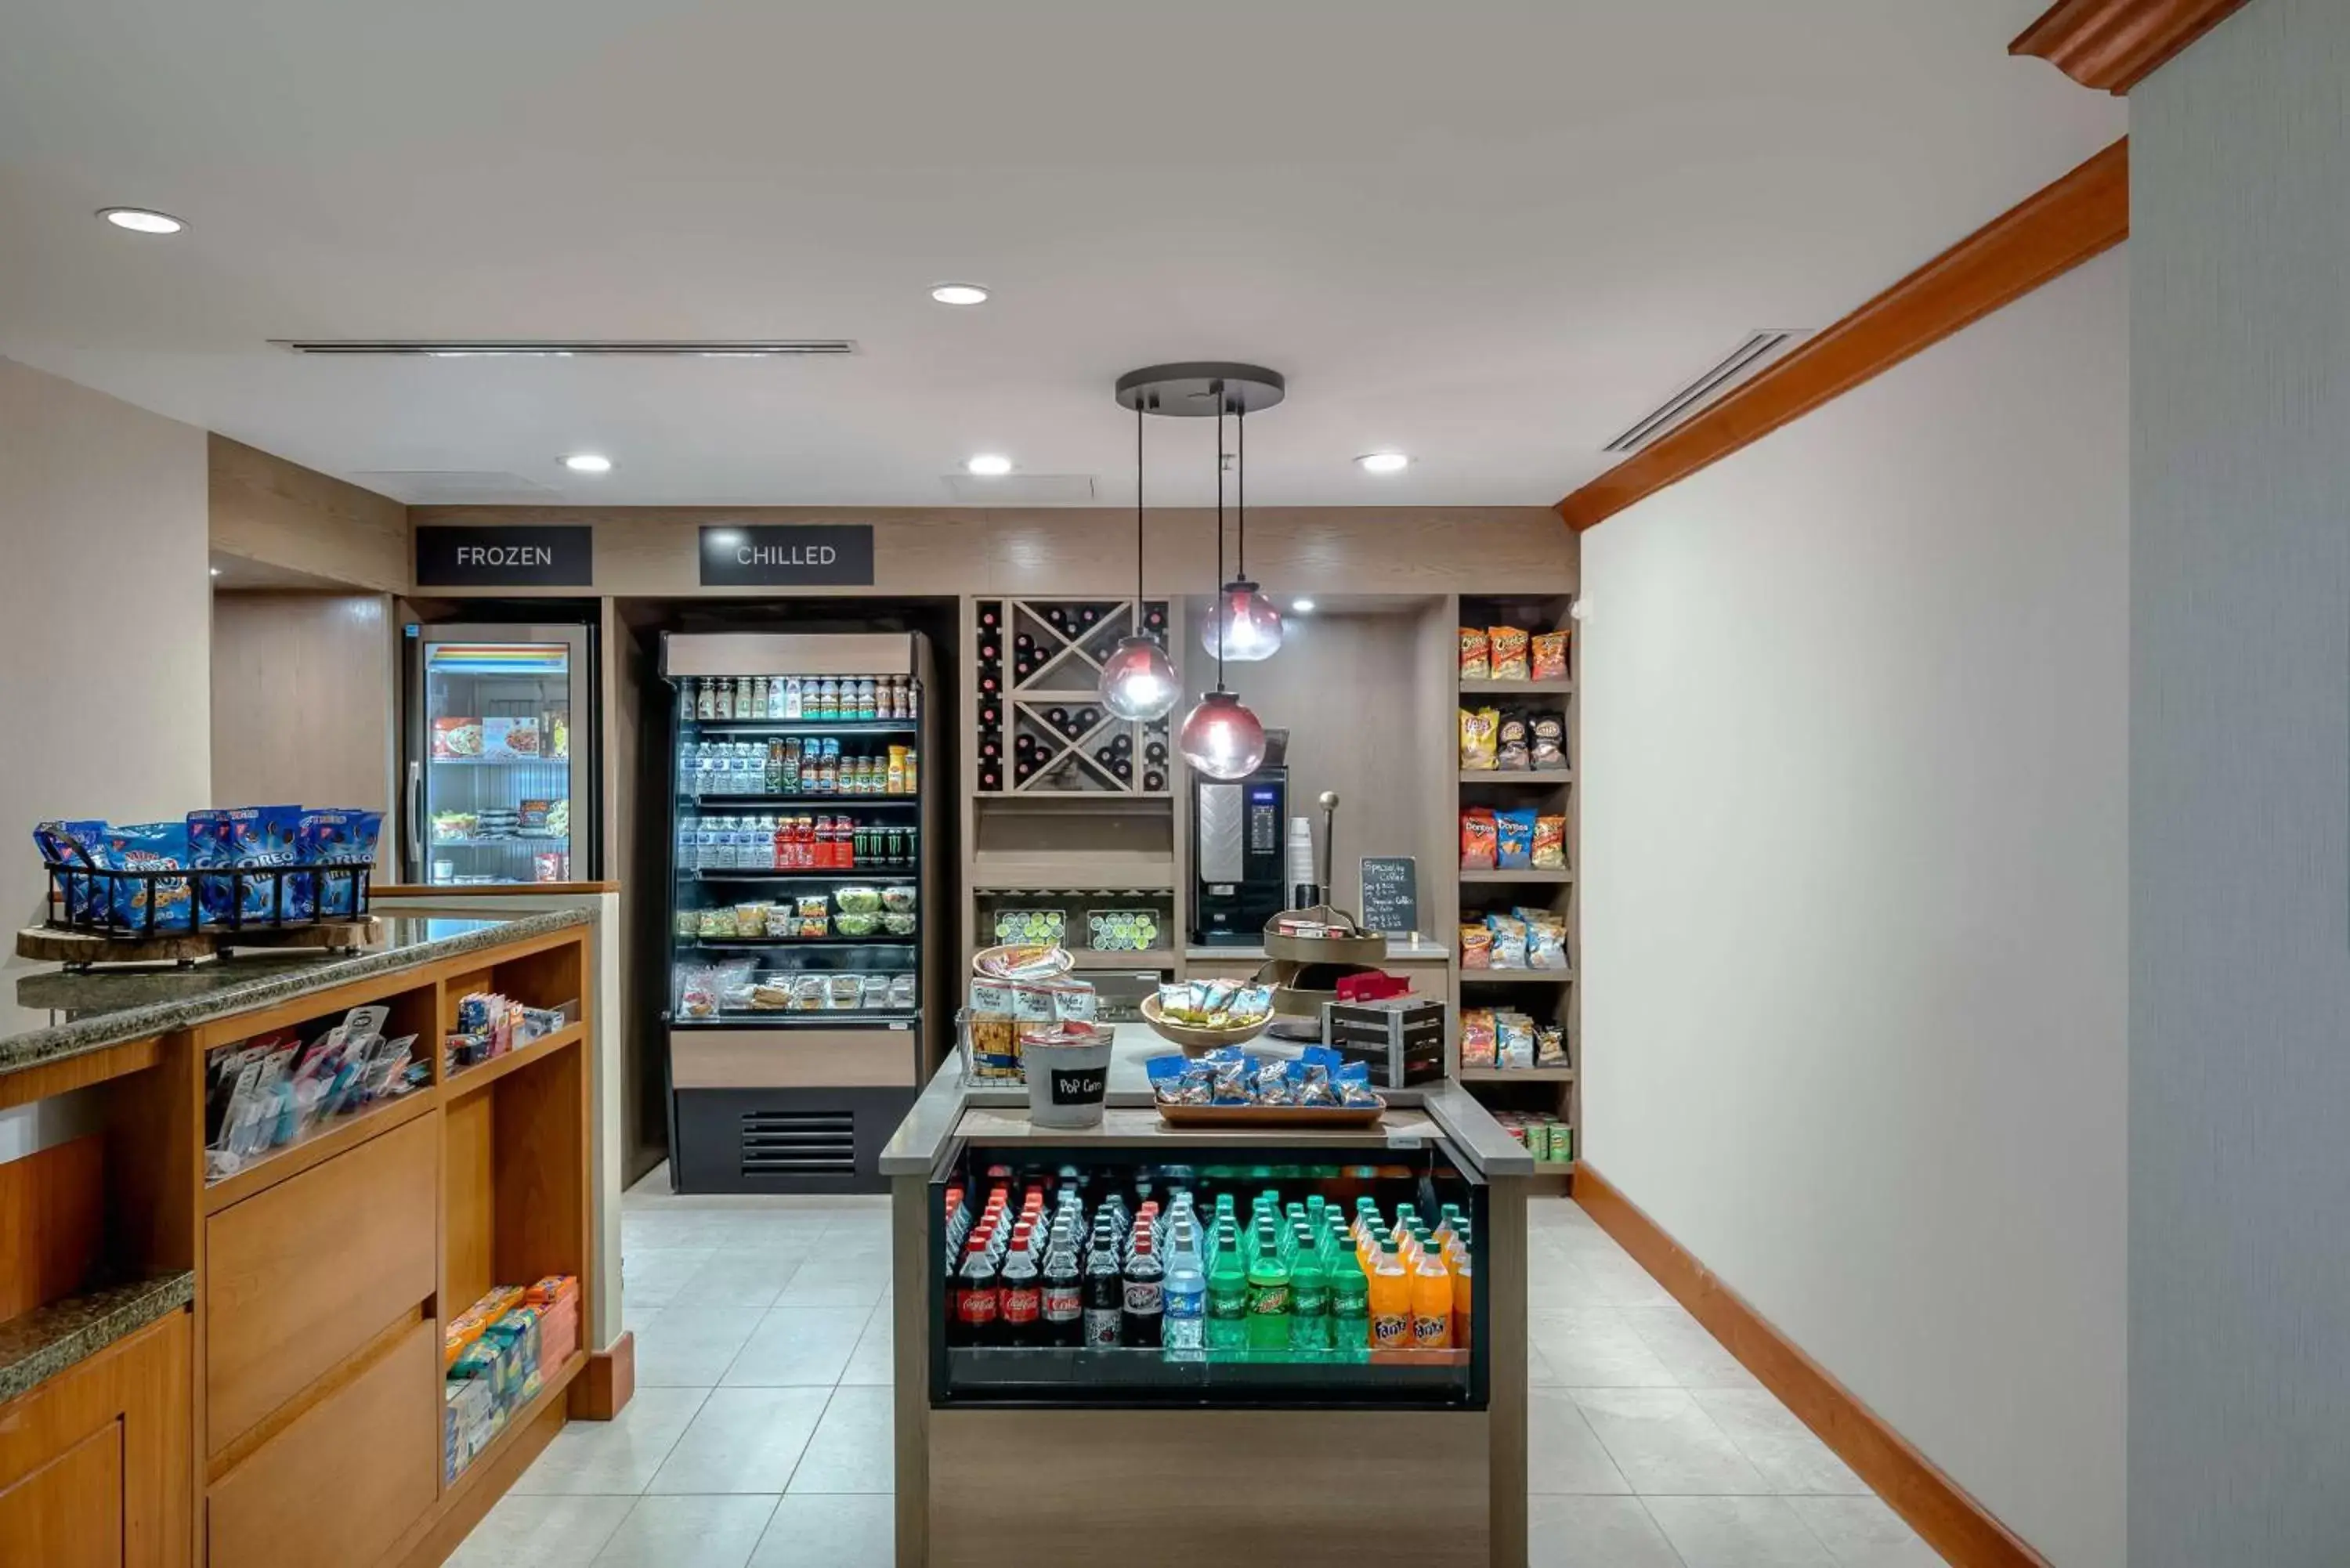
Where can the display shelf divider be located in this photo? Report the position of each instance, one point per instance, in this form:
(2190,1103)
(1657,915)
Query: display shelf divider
(321,1144)
(481,1074)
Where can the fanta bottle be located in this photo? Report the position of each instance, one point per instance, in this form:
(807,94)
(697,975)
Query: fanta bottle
(1391,1300)
(1432,1302)
(1463,1297)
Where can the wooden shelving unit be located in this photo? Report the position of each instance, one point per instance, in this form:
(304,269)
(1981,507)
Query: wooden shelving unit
(1549,996)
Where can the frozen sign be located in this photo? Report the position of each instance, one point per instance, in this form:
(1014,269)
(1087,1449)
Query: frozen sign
(449,555)
(815,554)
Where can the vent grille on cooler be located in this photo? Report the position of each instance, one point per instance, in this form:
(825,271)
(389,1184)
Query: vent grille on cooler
(799,1143)
(1760,351)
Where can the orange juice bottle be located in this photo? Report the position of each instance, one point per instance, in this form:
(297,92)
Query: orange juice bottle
(1432,1302)
(1391,1300)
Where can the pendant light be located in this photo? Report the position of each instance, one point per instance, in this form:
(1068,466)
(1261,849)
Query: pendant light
(1220,738)
(1138,679)
(1246,626)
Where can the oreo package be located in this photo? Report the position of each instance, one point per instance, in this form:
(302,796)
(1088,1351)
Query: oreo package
(151,847)
(76,843)
(338,836)
(243,835)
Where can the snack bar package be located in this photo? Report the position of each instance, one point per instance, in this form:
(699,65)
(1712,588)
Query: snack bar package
(1509,652)
(1516,848)
(1550,656)
(1474,661)
(151,846)
(242,835)
(1479,833)
(1479,727)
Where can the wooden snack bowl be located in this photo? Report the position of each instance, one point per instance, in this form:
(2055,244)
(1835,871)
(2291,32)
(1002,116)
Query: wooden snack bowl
(1196,1041)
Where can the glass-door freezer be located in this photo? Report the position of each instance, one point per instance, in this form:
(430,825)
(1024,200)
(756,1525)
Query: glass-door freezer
(500,765)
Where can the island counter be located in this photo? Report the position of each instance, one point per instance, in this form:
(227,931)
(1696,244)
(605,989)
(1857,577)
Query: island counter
(1230,1454)
(230,1325)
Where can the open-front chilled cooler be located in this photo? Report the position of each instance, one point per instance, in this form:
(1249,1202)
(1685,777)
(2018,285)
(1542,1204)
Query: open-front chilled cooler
(501,754)
(1248,1277)
(800,904)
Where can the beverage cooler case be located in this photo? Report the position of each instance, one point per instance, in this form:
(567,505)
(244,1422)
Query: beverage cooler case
(1092,1277)
(501,754)
(800,905)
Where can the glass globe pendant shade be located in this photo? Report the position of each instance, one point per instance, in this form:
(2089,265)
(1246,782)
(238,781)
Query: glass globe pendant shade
(1245,624)
(1221,738)
(1138,681)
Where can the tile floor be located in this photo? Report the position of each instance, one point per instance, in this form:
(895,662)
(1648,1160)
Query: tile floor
(759,1436)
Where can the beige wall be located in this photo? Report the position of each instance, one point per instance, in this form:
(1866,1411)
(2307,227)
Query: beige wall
(303,696)
(104,617)
(282,514)
(1855,708)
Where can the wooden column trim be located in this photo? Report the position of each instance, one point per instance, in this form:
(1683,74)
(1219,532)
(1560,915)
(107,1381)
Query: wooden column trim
(1965,1532)
(2117,44)
(2078,218)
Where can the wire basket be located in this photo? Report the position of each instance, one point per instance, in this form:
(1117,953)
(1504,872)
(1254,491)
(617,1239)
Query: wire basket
(140,906)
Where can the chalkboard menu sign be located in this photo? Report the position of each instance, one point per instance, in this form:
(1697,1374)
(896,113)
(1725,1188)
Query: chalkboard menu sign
(1390,894)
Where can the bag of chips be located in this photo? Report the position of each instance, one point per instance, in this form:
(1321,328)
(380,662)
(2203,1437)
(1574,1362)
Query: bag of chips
(1512,754)
(1514,1035)
(1550,843)
(1353,1080)
(1477,1044)
(1476,946)
(1509,652)
(1474,665)
(1273,1082)
(1479,839)
(1549,733)
(1546,939)
(1478,727)
(1516,838)
(1550,656)
(1550,1045)
(1509,941)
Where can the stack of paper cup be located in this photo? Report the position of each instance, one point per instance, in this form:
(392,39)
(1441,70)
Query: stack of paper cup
(1304,892)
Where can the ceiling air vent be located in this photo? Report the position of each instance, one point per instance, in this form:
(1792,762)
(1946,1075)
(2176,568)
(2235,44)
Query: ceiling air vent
(523,348)
(1742,364)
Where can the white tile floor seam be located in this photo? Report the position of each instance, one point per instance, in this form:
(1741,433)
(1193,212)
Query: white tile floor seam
(760,1433)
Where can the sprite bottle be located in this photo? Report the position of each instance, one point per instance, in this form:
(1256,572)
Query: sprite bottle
(1350,1305)
(1309,1299)
(1268,1296)
(1228,1295)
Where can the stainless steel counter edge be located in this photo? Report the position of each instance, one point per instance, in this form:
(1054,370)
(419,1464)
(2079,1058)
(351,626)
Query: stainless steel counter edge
(59,1042)
(922,1139)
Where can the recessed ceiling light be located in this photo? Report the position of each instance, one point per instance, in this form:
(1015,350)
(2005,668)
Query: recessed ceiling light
(988,465)
(1384,462)
(1303,606)
(587,463)
(958,293)
(141,220)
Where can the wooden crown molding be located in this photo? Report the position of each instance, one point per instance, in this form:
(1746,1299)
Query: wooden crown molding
(2079,217)
(1954,1524)
(2117,44)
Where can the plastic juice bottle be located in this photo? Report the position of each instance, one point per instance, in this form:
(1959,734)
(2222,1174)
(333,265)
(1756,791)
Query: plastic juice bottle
(1463,1301)
(1350,1306)
(1389,1297)
(1228,1295)
(1432,1303)
(1268,1298)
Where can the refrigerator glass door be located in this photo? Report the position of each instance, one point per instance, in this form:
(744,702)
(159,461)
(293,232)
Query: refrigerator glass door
(497,790)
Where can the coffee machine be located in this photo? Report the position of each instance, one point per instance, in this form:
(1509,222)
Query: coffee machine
(1239,868)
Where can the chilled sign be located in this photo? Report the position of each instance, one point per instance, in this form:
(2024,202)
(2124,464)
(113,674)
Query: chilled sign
(811,554)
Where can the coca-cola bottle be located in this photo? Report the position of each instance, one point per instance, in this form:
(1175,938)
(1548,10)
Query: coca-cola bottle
(1063,1291)
(1145,1303)
(1020,1299)
(978,1292)
(1104,1289)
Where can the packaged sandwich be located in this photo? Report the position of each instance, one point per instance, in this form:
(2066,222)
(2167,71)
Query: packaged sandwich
(1549,649)
(1475,663)
(1509,652)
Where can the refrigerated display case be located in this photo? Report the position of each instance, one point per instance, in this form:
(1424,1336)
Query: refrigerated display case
(499,767)
(801,891)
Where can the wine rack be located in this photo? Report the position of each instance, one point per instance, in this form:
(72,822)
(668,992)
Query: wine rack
(1041,728)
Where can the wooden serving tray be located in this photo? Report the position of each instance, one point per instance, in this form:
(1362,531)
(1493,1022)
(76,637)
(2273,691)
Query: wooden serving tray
(79,949)
(1273,1115)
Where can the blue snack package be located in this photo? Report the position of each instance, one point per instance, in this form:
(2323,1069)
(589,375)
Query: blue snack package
(151,847)
(1516,847)
(337,836)
(75,843)
(244,835)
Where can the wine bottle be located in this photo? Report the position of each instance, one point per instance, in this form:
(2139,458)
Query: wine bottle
(1155,753)
(1058,717)
(1124,770)
(990,749)
(1024,642)
(1122,744)
(990,779)
(1087,616)
(1055,618)
(1154,781)
(987,618)
(1105,756)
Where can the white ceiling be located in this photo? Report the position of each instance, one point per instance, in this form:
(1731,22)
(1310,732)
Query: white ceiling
(1489,233)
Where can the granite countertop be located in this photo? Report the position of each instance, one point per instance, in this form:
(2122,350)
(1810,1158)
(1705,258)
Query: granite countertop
(48,1340)
(48,1014)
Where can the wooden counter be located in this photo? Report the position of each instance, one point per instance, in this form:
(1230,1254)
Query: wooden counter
(263,1385)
